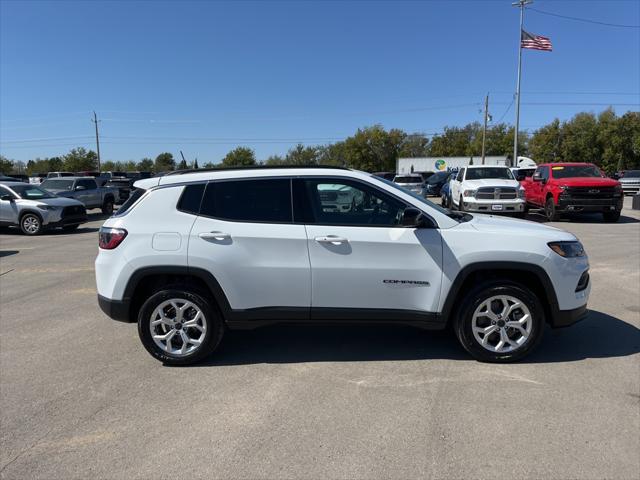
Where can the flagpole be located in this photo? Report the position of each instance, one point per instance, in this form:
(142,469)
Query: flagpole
(521,4)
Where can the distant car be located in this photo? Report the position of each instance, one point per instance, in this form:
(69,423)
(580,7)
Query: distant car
(20,177)
(38,178)
(84,189)
(60,174)
(386,175)
(522,174)
(568,187)
(445,191)
(33,209)
(412,182)
(4,178)
(630,182)
(487,189)
(338,198)
(435,183)
(139,175)
(425,175)
(124,186)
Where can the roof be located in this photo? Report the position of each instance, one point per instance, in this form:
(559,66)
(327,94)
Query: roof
(562,164)
(201,175)
(485,166)
(71,178)
(12,184)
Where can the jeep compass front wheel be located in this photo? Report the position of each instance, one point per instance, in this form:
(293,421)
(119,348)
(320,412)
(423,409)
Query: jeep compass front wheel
(179,327)
(500,322)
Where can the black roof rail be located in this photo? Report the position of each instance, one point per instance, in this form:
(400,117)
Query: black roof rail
(252,167)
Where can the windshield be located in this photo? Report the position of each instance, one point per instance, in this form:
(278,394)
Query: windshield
(438,177)
(57,184)
(31,192)
(572,171)
(408,179)
(632,174)
(502,173)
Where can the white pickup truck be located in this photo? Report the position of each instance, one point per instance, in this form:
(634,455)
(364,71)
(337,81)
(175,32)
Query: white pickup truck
(487,189)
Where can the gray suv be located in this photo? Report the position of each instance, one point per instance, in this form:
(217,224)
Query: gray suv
(33,209)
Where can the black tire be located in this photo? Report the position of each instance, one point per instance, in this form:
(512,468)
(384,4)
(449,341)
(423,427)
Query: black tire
(611,217)
(31,224)
(550,210)
(107,206)
(70,228)
(464,318)
(212,319)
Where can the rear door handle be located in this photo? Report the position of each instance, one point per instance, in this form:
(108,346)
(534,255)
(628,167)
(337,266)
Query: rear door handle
(332,239)
(214,236)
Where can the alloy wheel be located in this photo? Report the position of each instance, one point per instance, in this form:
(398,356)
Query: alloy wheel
(178,326)
(31,224)
(502,324)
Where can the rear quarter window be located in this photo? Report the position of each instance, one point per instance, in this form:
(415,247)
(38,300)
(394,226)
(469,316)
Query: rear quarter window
(134,196)
(191,198)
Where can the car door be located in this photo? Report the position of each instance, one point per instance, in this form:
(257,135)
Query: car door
(245,237)
(455,186)
(8,208)
(536,187)
(362,257)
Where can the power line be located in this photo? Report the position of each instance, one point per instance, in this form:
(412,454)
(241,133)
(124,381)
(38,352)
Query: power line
(586,20)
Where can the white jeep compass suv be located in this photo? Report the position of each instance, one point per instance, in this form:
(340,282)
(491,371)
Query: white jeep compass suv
(193,253)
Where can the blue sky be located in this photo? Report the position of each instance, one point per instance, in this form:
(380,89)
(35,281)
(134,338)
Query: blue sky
(204,77)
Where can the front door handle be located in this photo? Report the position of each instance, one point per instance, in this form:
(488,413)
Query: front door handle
(332,239)
(220,236)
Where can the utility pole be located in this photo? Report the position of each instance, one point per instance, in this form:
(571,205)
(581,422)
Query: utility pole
(484,130)
(95,120)
(521,4)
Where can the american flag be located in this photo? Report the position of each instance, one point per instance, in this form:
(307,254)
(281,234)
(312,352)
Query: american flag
(534,42)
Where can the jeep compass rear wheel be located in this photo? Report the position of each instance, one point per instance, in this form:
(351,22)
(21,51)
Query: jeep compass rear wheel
(179,327)
(500,322)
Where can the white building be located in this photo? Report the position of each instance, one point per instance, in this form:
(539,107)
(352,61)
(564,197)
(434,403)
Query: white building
(438,164)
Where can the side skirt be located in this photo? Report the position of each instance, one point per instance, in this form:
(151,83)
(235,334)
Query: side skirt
(260,317)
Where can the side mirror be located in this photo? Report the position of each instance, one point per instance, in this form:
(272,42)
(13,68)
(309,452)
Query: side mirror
(412,217)
(80,187)
(520,177)
(536,177)
(7,198)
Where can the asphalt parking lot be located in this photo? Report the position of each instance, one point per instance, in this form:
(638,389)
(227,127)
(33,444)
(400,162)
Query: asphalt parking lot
(81,398)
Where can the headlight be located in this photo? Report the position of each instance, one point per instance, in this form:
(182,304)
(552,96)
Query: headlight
(470,193)
(567,249)
(47,207)
(521,193)
(564,188)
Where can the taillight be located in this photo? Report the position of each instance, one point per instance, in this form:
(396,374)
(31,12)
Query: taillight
(110,238)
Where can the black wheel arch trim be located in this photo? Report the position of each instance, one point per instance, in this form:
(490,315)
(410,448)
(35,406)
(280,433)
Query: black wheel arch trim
(551,300)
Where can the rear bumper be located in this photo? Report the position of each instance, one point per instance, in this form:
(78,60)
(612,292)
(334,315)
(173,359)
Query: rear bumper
(565,318)
(115,309)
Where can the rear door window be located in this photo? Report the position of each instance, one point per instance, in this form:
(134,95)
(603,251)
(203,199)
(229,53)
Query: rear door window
(259,200)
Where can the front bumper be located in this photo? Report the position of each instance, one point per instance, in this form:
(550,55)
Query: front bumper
(571,204)
(115,309)
(493,206)
(565,318)
(630,188)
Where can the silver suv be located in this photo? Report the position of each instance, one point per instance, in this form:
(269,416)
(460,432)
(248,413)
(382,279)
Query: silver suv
(34,209)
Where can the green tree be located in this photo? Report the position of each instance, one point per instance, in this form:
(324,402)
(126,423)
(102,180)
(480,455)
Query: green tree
(195,164)
(80,159)
(109,166)
(6,165)
(274,160)
(182,165)
(239,157)
(373,149)
(56,164)
(165,162)
(544,145)
(414,146)
(128,166)
(301,155)
(145,165)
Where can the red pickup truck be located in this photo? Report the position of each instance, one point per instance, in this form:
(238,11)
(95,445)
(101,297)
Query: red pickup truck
(573,188)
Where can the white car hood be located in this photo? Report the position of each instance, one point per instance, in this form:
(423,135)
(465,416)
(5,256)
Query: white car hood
(491,182)
(513,226)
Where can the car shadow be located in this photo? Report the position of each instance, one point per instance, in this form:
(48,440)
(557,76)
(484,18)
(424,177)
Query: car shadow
(598,336)
(7,253)
(538,216)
